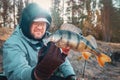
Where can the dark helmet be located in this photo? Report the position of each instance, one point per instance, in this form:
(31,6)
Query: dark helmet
(31,13)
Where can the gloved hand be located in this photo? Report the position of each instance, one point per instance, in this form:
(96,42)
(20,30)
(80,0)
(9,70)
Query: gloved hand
(71,77)
(49,59)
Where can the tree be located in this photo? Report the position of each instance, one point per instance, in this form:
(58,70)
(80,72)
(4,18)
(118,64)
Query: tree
(55,12)
(90,17)
(75,12)
(20,6)
(10,11)
(106,19)
(115,21)
(4,11)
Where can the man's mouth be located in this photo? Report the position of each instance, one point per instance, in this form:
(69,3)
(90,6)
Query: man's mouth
(38,30)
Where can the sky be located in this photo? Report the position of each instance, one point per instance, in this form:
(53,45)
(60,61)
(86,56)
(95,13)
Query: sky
(46,4)
(116,3)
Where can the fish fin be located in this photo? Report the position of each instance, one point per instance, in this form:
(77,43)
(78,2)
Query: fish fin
(86,55)
(102,59)
(92,40)
(65,50)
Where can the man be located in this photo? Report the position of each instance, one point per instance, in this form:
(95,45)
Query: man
(25,57)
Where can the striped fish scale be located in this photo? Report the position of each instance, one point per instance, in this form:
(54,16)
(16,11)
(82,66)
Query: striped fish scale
(75,41)
(65,38)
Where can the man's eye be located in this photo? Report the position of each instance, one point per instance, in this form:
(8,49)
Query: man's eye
(37,24)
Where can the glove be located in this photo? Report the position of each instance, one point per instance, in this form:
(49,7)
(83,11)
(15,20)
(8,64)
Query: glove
(49,59)
(71,77)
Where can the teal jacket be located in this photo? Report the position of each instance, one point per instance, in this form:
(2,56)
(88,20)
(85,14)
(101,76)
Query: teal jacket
(20,55)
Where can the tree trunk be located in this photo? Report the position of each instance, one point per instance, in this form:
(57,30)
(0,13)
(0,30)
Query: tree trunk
(4,15)
(106,20)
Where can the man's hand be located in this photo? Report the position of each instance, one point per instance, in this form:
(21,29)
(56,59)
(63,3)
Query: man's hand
(49,59)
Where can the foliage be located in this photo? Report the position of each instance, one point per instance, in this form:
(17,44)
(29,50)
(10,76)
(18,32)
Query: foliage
(94,17)
(101,18)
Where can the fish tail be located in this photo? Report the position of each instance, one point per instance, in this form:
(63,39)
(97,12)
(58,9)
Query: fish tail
(102,58)
(86,55)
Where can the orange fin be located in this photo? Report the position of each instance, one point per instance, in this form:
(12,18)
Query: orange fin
(86,55)
(65,50)
(102,59)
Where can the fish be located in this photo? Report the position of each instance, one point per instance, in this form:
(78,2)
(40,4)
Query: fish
(77,42)
(92,40)
(73,28)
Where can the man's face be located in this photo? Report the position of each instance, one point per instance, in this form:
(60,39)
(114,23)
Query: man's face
(38,29)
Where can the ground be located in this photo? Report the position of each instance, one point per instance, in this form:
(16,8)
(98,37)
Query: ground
(111,71)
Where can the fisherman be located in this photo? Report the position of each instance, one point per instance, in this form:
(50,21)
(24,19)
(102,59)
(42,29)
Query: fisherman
(25,57)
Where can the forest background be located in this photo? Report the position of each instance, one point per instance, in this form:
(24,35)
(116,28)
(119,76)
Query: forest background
(101,18)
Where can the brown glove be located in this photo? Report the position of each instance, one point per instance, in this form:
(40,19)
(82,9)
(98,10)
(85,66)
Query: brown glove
(49,59)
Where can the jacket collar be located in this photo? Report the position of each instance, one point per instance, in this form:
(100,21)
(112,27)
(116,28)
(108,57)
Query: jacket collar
(27,39)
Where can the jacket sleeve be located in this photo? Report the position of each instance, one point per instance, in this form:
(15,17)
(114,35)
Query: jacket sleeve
(15,64)
(66,68)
